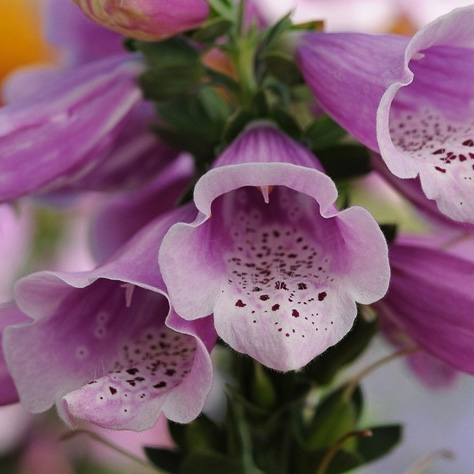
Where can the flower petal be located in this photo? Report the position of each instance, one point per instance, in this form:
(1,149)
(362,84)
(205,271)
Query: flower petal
(56,136)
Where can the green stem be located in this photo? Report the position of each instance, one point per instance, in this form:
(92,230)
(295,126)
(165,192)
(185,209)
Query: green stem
(241,18)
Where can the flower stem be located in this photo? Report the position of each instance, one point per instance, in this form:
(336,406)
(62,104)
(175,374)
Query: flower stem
(428,461)
(113,446)
(323,467)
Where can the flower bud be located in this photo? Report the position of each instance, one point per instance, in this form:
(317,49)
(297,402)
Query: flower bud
(148,20)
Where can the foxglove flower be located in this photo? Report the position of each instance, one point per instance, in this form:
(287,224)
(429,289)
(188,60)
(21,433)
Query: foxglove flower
(104,346)
(270,255)
(409,99)
(424,284)
(149,20)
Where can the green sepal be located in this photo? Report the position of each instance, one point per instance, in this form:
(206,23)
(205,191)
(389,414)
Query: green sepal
(272,35)
(324,368)
(345,161)
(212,29)
(286,122)
(333,417)
(172,52)
(211,463)
(383,440)
(283,67)
(169,460)
(223,9)
(236,123)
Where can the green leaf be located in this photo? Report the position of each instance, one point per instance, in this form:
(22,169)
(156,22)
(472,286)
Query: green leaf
(178,433)
(209,463)
(169,53)
(204,435)
(167,459)
(263,391)
(323,133)
(308,462)
(382,441)
(333,418)
(212,29)
(272,34)
(345,161)
(283,67)
(324,368)
(223,8)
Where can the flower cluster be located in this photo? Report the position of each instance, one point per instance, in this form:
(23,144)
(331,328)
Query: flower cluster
(221,154)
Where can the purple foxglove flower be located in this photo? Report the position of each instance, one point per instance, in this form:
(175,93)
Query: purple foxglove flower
(105,347)
(424,284)
(124,214)
(430,370)
(148,20)
(409,99)
(269,254)
(58,136)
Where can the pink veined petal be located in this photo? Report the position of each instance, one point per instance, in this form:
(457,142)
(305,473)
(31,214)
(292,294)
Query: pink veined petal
(270,256)
(59,135)
(425,282)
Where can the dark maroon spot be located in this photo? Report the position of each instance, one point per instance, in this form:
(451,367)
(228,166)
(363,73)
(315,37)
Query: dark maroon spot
(131,382)
(240,304)
(441,170)
(160,385)
(292,255)
(113,390)
(275,307)
(264,297)
(139,379)
(468,142)
(90,383)
(462,158)
(295,313)
(322,295)
(256,288)
(287,335)
(170,372)
(440,151)
(302,286)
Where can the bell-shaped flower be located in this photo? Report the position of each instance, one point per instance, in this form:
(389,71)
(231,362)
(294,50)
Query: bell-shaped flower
(105,346)
(269,254)
(408,98)
(56,137)
(431,300)
(148,20)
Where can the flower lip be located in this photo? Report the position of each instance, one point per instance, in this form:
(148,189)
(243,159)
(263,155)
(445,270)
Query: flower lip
(277,273)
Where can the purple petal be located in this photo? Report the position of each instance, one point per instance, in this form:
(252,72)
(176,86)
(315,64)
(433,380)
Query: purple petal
(78,38)
(278,266)
(9,315)
(425,284)
(57,136)
(99,346)
(124,214)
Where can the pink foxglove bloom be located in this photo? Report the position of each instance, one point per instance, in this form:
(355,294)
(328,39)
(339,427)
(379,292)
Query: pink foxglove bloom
(408,98)
(105,346)
(429,369)
(424,284)
(149,20)
(269,254)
